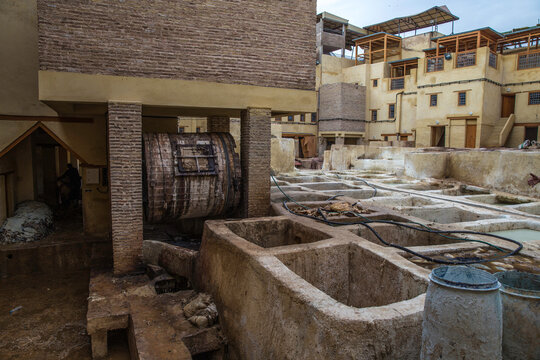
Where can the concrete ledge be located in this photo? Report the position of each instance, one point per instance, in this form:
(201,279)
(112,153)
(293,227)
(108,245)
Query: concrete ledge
(92,88)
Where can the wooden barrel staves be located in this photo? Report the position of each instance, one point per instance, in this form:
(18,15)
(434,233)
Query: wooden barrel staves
(189,176)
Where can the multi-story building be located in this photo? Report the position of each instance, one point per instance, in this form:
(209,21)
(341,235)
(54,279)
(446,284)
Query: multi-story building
(479,88)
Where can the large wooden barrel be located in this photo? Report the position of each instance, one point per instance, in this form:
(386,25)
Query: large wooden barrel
(190,176)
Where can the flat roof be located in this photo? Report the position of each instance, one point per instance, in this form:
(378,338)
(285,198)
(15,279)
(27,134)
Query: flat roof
(484,29)
(435,16)
(331,17)
(403,60)
(375,35)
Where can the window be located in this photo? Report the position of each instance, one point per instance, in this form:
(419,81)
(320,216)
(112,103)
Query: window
(198,130)
(493,60)
(373,115)
(534,98)
(277,118)
(462,98)
(181,130)
(290,118)
(466,59)
(313,117)
(433,100)
(375,82)
(529,61)
(397,83)
(391,111)
(435,64)
(303,117)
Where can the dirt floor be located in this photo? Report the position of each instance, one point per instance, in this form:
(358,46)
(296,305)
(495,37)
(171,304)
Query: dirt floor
(52,321)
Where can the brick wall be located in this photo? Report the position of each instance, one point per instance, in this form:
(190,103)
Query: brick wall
(342,101)
(255,159)
(266,43)
(125,184)
(342,125)
(219,124)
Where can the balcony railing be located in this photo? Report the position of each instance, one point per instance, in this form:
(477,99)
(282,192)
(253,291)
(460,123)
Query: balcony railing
(435,64)
(397,83)
(465,59)
(493,59)
(529,61)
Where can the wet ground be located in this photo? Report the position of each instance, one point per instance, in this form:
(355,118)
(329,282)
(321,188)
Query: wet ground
(52,321)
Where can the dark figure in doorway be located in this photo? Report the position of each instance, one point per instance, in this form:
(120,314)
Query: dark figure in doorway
(70,186)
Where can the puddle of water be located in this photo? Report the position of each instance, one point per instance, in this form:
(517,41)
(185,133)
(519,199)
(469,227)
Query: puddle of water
(516,262)
(519,234)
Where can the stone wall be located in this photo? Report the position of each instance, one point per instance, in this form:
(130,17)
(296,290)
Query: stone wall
(270,43)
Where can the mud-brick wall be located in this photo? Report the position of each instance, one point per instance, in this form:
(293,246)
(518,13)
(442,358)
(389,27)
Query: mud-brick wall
(266,43)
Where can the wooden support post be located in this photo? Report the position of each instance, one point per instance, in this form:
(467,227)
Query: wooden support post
(370,51)
(356,54)
(437,50)
(385,42)
(478,38)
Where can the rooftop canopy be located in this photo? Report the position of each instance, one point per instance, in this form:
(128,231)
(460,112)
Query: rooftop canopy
(437,15)
(467,41)
(521,38)
(336,23)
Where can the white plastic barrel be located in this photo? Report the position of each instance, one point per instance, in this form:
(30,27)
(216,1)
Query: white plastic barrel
(462,315)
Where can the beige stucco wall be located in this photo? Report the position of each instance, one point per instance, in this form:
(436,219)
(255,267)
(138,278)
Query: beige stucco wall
(503,170)
(282,155)
(19,62)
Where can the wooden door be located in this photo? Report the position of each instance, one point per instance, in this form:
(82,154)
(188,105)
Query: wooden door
(470,136)
(508,104)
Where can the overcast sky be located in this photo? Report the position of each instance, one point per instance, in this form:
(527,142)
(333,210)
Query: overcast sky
(501,15)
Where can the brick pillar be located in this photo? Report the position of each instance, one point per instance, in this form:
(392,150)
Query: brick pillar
(124,136)
(219,124)
(255,160)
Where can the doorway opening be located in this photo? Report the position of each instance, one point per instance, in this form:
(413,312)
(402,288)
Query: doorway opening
(531,133)
(438,137)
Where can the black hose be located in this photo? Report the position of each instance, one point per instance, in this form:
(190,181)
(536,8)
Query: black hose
(425,257)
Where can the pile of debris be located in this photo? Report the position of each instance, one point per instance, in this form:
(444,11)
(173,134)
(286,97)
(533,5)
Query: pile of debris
(333,209)
(32,221)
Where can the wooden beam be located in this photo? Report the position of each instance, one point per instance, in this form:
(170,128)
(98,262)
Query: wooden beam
(385,42)
(49,132)
(527,124)
(46,118)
